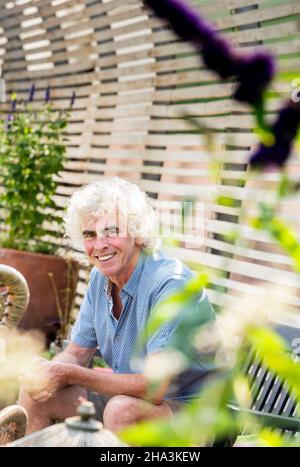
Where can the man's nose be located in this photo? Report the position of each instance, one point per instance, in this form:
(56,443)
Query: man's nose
(100,242)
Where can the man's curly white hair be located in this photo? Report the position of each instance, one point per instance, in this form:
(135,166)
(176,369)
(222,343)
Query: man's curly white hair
(112,195)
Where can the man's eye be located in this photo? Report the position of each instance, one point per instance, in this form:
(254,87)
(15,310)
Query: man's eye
(88,236)
(112,232)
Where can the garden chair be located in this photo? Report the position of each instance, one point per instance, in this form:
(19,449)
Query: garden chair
(14,296)
(273,403)
(13,422)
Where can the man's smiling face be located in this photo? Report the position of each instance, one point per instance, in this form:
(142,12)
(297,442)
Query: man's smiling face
(110,248)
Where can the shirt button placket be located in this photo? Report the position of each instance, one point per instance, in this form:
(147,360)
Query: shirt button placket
(115,351)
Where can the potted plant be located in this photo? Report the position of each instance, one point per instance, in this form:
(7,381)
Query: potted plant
(32,154)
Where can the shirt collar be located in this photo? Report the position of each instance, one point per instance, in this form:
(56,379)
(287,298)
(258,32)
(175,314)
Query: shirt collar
(131,286)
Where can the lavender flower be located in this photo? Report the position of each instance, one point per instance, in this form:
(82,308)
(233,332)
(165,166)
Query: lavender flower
(253,73)
(184,20)
(31,93)
(47,94)
(13,107)
(10,119)
(72,99)
(13,104)
(285,131)
(218,57)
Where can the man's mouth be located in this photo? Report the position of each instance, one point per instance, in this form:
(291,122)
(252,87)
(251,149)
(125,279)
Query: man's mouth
(105,257)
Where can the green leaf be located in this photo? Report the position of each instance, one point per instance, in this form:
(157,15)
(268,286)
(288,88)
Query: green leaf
(280,231)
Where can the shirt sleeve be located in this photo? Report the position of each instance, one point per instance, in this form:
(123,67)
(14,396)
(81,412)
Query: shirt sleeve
(83,333)
(161,338)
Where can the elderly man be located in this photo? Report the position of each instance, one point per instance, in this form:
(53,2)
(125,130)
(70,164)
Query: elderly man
(113,222)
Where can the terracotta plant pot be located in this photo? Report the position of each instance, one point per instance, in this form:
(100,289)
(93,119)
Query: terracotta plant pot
(52,283)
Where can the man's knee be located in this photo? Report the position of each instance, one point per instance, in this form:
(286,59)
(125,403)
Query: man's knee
(122,411)
(119,411)
(114,407)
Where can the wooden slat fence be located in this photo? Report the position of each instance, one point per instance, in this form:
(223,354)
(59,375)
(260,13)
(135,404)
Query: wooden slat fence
(134,82)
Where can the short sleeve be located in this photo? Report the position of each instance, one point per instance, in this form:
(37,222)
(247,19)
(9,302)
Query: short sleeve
(83,333)
(161,338)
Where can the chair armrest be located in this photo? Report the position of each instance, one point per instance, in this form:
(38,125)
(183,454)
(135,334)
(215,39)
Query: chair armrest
(13,422)
(271,420)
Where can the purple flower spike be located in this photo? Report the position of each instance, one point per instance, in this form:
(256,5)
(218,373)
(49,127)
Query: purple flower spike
(285,131)
(31,93)
(185,21)
(47,94)
(10,119)
(13,105)
(72,98)
(254,74)
(189,25)
(218,57)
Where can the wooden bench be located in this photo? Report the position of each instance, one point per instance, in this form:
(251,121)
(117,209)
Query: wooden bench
(273,403)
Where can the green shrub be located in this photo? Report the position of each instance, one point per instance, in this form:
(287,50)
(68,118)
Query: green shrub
(32,154)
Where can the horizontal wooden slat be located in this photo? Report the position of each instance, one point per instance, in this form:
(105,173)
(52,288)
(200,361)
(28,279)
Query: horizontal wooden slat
(259,15)
(253,271)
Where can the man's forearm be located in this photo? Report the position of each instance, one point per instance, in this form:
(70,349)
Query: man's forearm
(110,384)
(66,357)
(75,355)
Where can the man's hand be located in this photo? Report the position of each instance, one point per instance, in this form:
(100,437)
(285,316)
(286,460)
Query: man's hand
(44,379)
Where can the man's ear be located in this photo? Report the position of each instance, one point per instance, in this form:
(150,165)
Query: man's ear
(139,242)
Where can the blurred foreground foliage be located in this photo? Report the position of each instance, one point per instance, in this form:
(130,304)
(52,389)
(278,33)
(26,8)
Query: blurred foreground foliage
(208,417)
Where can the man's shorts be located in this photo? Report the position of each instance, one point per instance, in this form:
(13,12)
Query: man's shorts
(100,402)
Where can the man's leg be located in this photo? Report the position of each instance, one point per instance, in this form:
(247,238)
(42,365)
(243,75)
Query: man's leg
(61,405)
(122,411)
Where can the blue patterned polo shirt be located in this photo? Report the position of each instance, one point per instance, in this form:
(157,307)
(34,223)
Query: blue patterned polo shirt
(155,277)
